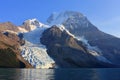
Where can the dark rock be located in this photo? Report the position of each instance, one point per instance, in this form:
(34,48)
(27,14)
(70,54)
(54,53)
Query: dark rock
(21,40)
(6,33)
(20,35)
(9,59)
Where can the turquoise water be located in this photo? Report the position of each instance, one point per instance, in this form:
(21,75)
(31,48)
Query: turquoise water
(61,74)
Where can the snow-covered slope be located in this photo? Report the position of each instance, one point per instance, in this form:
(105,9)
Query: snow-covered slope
(33,51)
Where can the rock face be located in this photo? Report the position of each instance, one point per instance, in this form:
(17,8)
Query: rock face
(10,53)
(8,26)
(67,51)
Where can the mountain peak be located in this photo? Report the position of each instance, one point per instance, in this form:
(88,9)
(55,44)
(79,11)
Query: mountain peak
(59,18)
(32,24)
(33,21)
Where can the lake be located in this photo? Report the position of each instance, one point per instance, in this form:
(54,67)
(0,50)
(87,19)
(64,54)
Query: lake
(60,74)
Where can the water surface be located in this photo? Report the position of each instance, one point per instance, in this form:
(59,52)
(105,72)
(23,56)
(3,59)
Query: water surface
(61,74)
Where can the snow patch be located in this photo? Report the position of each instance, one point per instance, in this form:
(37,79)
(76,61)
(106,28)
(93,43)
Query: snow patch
(93,50)
(22,30)
(62,28)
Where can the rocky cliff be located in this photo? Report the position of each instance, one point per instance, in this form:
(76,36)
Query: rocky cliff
(10,52)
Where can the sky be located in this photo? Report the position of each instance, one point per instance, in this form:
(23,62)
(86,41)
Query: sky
(105,14)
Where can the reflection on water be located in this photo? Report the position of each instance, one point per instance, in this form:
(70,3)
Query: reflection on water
(37,74)
(26,74)
(60,74)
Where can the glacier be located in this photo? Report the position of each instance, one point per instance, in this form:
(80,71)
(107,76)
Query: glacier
(33,51)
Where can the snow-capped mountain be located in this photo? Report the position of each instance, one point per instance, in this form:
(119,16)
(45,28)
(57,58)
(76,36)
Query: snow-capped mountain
(68,39)
(74,24)
(78,25)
